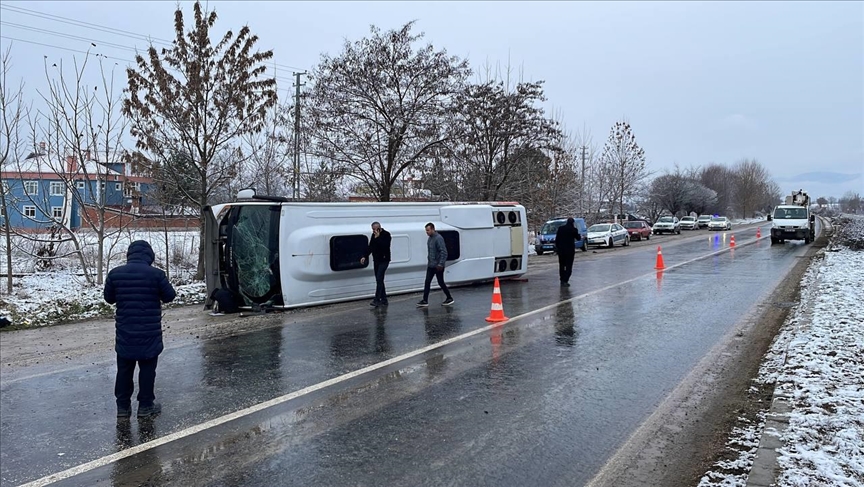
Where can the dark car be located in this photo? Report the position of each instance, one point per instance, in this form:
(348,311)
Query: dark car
(546,236)
(638,230)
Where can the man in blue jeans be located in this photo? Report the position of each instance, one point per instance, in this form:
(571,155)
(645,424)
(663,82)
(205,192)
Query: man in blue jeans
(138,289)
(436,258)
(379,247)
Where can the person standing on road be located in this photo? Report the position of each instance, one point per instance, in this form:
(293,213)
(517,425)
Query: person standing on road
(379,247)
(565,246)
(437,257)
(138,289)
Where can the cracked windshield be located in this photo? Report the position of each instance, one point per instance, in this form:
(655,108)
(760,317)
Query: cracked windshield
(255,250)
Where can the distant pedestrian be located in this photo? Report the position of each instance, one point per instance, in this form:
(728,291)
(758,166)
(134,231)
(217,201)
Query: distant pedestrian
(138,289)
(565,246)
(379,247)
(437,257)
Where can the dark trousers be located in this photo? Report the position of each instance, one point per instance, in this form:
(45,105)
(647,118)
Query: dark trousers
(124,385)
(380,290)
(433,271)
(565,265)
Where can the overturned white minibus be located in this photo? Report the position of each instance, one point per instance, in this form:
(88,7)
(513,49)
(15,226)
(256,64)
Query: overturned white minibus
(272,253)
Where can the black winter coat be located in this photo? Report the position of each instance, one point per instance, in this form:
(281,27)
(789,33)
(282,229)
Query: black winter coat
(379,247)
(565,239)
(138,289)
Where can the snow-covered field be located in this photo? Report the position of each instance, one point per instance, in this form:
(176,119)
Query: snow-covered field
(818,361)
(61,294)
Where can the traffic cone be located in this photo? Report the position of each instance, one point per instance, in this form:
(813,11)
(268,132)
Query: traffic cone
(732,241)
(497,313)
(758,232)
(660,264)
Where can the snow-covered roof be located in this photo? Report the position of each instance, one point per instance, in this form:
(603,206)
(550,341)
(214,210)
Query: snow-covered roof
(54,164)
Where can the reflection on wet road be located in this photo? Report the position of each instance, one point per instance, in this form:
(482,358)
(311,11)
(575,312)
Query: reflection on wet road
(543,399)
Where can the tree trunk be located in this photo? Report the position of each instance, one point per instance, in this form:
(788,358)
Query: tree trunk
(8,230)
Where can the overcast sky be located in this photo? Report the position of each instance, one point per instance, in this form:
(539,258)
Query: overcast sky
(781,82)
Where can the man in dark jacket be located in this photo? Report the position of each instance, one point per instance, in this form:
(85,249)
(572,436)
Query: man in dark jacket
(436,258)
(565,246)
(379,247)
(138,289)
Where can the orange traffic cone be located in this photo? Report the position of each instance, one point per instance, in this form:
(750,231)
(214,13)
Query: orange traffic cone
(497,313)
(732,241)
(758,232)
(660,264)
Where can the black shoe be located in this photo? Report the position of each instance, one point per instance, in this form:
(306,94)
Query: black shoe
(124,412)
(565,284)
(448,302)
(383,303)
(153,410)
(374,303)
(423,304)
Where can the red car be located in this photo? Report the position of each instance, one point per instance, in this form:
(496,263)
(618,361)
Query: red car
(638,230)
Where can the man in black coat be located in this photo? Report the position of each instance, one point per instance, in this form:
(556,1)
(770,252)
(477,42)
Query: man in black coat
(565,246)
(138,289)
(379,247)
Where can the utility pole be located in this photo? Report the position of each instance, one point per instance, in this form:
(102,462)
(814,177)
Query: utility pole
(582,192)
(296,185)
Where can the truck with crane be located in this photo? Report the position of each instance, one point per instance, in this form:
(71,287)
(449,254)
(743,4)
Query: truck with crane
(793,220)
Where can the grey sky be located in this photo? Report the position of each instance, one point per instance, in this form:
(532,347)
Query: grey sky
(782,82)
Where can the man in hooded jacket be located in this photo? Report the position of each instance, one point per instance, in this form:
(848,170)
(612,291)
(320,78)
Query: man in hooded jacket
(138,289)
(565,245)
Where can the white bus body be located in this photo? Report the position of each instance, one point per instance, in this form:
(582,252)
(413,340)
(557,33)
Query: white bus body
(280,255)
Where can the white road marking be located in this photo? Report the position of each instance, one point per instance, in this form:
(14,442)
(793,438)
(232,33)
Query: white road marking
(109,459)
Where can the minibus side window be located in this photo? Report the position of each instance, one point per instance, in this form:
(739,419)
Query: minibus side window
(346,251)
(451,241)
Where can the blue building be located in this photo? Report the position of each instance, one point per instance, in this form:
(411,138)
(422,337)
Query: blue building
(47,190)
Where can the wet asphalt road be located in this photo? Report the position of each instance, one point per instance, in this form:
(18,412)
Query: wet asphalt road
(544,399)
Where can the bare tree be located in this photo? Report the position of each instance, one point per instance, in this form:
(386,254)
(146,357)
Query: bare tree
(672,191)
(197,98)
(718,178)
(12,146)
(750,178)
(493,122)
(851,202)
(84,130)
(380,107)
(625,161)
(268,160)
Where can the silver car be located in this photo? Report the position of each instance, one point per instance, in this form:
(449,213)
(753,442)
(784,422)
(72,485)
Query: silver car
(608,234)
(667,224)
(719,223)
(689,223)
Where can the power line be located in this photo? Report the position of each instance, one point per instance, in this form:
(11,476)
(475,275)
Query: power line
(66,49)
(111,30)
(80,23)
(68,36)
(89,53)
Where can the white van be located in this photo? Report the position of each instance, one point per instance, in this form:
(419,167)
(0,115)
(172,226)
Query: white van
(271,253)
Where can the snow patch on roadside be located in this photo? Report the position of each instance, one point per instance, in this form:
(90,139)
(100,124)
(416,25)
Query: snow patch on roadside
(818,361)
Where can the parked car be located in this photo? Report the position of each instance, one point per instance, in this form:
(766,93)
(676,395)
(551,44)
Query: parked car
(667,224)
(608,234)
(703,220)
(719,223)
(638,230)
(546,236)
(689,223)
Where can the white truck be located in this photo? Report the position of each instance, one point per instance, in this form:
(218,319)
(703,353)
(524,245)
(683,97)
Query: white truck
(793,219)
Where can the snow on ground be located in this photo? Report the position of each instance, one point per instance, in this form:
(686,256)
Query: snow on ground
(818,361)
(61,294)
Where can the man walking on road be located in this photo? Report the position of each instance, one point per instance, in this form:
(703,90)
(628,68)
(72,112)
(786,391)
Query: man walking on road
(437,257)
(379,247)
(565,246)
(138,289)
